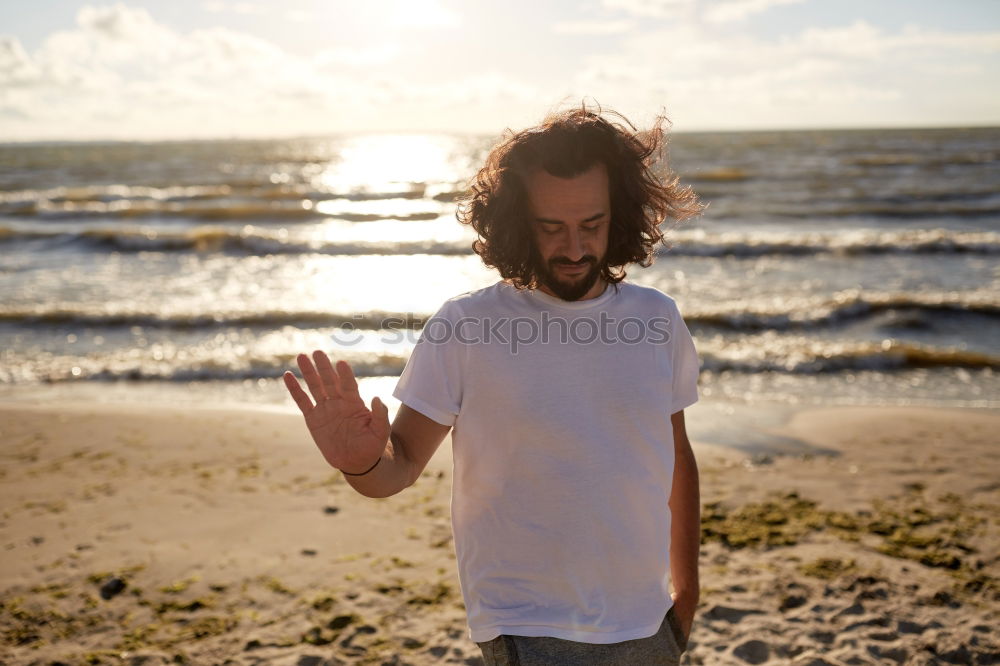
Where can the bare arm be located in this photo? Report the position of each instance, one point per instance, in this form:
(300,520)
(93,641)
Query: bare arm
(413,440)
(353,438)
(685,531)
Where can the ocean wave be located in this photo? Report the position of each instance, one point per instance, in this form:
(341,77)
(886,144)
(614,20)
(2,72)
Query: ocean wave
(925,159)
(728,201)
(255,240)
(83,316)
(288,211)
(220,202)
(230,188)
(861,242)
(143,366)
(250,240)
(200,364)
(843,307)
(818,358)
(110,193)
(719,175)
(902,207)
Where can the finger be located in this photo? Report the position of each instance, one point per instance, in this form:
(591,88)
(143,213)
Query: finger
(327,374)
(312,378)
(298,395)
(348,384)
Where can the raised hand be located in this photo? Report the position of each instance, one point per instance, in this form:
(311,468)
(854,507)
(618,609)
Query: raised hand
(350,436)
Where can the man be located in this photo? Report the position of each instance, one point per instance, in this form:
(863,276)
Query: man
(575,500)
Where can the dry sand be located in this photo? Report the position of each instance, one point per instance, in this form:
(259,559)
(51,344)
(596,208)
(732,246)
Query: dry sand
(220,536)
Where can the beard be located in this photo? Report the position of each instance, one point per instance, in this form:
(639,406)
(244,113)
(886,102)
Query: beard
(572,289)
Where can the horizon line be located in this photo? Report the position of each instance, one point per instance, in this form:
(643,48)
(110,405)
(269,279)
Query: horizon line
(476,135)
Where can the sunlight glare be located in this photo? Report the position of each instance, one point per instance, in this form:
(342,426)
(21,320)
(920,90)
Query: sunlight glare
(415,283)
(392,162)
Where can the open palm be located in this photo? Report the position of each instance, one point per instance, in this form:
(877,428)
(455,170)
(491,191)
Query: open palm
(349,435)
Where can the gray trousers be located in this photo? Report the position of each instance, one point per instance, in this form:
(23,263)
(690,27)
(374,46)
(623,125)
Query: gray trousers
(662,648)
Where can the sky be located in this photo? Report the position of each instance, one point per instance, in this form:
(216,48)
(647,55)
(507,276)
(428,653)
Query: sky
(148,69)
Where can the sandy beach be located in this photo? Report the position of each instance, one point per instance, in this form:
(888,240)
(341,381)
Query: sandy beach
(154,534)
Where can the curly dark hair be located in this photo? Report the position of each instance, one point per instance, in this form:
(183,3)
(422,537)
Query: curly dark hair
(566,145)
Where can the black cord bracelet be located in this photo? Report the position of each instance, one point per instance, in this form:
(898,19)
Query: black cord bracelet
(367,470)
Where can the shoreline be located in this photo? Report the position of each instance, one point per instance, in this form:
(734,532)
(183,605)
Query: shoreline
(234,540)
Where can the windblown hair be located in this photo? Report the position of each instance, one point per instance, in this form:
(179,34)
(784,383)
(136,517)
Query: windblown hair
(566,145)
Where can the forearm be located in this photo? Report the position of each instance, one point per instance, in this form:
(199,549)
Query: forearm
(391,475)
(685,530)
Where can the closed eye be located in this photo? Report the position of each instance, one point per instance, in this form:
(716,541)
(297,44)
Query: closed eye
(594,223)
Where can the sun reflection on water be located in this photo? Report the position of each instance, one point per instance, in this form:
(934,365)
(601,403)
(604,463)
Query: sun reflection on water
(384,162)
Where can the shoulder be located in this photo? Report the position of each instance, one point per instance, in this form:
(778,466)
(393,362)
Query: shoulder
(487,299)
(648,298)
(475,302)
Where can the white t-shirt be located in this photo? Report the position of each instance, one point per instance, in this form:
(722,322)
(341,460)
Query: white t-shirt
(563,454)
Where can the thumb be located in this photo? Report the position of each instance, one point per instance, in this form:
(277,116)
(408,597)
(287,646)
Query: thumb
(380,415)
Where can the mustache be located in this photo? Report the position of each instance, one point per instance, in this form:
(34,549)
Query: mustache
(564,261)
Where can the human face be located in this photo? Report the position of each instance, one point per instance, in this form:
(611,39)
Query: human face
(570,218)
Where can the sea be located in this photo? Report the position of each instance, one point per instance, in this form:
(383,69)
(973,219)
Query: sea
(829,268)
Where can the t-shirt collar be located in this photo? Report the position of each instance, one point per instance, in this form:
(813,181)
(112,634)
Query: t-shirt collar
(552,301)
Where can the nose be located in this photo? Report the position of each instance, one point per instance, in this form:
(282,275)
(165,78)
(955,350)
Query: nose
(574,248)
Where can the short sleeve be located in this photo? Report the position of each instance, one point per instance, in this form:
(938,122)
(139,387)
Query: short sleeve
(431,382)
(684,391)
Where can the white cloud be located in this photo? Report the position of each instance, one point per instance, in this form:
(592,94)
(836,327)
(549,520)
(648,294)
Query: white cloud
(976,42)
(220,7)
(121,74)
(736,10)
(409,14)
(298,15)
(592,27)
(713,11)
(376,54)
(16,69)
(418,13)
(295,15)
(117,22)
(839,76)
(652,8)
(482,89)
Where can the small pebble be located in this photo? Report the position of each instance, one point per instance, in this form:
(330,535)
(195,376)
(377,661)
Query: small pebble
(112,587)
